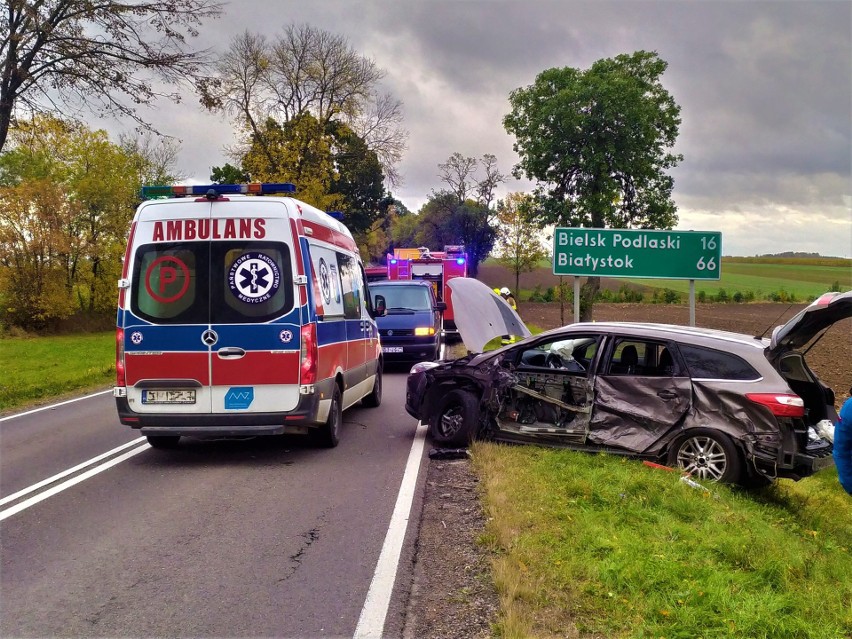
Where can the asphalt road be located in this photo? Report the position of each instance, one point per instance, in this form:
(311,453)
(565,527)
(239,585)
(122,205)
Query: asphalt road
(264,537)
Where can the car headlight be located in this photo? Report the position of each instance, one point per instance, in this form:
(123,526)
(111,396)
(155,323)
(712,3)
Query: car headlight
(422,331)
(419,367)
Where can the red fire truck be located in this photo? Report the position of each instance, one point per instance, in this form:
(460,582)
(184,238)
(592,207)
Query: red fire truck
(437,267)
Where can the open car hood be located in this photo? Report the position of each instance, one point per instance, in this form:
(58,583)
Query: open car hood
(481,315)
(819,315)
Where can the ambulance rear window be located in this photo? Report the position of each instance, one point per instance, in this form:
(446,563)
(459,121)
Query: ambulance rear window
(167,284)
(254,282)
(217,283)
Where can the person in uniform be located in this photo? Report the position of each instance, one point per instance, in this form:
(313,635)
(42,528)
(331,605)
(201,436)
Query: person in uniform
(506,294)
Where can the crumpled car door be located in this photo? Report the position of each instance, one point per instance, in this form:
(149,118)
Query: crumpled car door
(633,411)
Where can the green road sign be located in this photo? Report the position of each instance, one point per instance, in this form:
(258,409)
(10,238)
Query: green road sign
(680,255)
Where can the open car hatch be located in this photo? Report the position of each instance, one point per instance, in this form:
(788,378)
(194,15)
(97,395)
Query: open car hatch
(804,326)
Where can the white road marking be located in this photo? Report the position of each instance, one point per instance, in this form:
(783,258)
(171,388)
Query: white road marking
(71,482)
(41,408)
(70,471)
(375,609)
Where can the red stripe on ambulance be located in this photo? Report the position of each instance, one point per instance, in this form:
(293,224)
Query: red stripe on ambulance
(258,367)
(326,234)
(191,366)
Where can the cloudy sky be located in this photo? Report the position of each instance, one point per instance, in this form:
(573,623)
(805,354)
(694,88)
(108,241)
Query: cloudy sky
(765,90)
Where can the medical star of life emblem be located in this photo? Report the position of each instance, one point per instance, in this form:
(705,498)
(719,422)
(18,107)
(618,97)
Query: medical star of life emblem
(136,337)
(285,336)
(254,278)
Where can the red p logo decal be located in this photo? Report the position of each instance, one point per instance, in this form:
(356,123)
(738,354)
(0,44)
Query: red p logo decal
(167,276)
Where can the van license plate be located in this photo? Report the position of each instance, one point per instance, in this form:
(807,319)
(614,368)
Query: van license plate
(391,349)
(168,396)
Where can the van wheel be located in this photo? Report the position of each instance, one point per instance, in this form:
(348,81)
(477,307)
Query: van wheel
(328,435)
(707,454)
(375,397)
(454,423)
(163,442)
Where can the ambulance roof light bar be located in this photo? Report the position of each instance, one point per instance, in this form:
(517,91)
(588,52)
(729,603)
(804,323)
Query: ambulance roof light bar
(214,190)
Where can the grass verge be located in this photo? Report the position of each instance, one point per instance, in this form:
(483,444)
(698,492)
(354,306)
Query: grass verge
(47,367)
(596,545)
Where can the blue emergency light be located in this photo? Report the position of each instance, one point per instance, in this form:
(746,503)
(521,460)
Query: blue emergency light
(201,190)
(460,261)
(337,215)
(393,261)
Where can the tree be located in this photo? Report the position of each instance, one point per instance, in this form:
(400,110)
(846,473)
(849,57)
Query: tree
(457,172)
(597,141)
(34,245)
(114,55)
(229,174)
(444,220)
(357,178)
(156,158)
(305,71)
(66,199)
(383,234)
(296,151)
(518,249)
(453,217)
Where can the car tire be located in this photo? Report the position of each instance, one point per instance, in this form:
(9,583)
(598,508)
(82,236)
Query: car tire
(707,454)
(454,422)
(328,435)
(374,399)
(163,442)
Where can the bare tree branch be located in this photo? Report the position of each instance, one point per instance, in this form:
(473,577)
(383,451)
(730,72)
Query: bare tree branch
(457,172)
(307,70)
(101,56)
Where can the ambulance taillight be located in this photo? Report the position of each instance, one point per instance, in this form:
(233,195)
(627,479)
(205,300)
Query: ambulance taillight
(309,355)
(120,379)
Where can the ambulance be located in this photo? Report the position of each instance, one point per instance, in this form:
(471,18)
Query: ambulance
(242,311)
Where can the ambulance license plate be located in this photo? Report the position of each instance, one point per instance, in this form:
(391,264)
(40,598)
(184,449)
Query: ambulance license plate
(391,349)
(168,396)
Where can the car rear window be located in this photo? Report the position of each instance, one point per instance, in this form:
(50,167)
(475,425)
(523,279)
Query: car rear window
(708,363)
(217,283)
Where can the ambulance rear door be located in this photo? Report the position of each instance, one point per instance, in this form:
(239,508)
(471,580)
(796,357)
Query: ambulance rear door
(255,311)
(166,323)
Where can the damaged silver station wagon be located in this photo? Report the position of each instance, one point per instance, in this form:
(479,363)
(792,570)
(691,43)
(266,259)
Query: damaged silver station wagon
(723,406)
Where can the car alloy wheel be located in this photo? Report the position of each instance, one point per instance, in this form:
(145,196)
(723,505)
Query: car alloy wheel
(709,456)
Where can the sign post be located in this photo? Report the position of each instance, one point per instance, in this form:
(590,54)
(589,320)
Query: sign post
(638,253)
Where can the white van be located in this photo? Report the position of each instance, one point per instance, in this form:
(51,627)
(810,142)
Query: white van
(241,315)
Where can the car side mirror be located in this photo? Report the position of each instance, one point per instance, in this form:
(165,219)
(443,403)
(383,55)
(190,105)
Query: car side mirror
(440,306)
(381,306)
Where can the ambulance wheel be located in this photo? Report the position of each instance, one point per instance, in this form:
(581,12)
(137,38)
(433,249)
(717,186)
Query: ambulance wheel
(328,435)
(163,442)
(375,397)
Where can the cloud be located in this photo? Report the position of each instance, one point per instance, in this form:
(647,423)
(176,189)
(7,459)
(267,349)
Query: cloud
(765,90)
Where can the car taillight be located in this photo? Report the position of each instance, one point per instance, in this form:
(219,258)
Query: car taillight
(781,404)
(120,379)
(308,354)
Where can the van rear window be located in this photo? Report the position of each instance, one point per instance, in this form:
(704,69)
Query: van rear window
(216,283)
